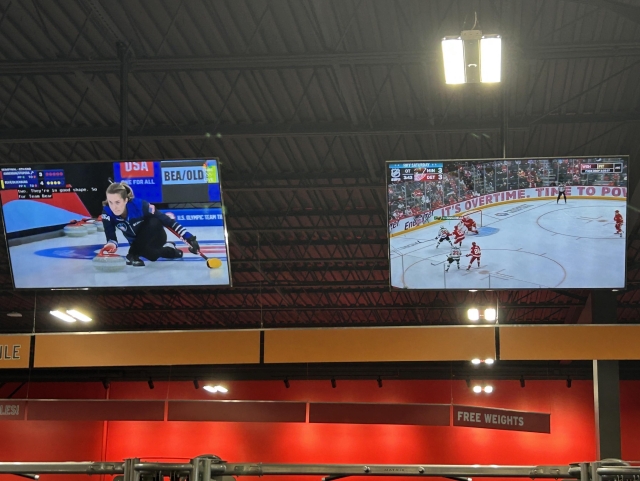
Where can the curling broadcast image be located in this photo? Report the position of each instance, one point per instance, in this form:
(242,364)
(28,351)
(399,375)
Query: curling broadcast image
(508,223)
(115,224)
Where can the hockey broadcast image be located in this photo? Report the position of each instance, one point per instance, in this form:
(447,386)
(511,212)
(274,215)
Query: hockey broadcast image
(508,223)
(115,224)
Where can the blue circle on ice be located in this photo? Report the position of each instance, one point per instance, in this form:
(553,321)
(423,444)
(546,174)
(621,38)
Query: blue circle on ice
(485,231)
(88,252)
(71,252)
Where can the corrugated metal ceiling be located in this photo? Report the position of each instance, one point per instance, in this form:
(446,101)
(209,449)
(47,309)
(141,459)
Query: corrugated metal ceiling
(303,101)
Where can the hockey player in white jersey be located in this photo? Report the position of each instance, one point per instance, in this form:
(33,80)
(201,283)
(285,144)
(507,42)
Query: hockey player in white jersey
(454,255)
(443,235)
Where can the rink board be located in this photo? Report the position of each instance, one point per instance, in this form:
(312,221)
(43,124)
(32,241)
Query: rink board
(528,243)
(66,262)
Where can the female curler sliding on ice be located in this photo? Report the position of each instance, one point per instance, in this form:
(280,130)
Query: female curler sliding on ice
(142,226)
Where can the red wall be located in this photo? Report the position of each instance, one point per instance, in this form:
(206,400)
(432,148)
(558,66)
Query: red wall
(572,435)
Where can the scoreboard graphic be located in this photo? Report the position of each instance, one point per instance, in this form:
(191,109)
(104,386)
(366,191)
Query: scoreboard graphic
(415,172)
(601,168)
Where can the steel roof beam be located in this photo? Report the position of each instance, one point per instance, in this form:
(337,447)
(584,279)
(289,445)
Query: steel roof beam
(299,308)
(307,60)
(336,128)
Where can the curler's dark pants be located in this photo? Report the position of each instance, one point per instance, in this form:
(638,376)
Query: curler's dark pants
(150,241)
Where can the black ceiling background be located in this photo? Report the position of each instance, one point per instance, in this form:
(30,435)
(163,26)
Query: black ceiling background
(303,101)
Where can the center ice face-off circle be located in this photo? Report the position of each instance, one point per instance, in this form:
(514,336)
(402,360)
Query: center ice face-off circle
(512,273)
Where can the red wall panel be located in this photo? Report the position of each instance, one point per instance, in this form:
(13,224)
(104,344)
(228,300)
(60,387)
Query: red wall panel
(571,438)
(630,419)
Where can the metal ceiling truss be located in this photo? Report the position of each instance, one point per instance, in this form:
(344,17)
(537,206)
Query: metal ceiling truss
(290,130)
(301,61)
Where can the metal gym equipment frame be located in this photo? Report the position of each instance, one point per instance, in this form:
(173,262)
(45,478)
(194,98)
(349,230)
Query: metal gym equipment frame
(212,468)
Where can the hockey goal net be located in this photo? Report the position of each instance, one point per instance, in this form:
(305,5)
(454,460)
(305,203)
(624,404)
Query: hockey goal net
(476,215)
(452,220)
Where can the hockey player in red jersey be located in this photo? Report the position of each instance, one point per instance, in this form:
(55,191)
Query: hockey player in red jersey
(470,224)
(474,254)
(458,235)
(619,221)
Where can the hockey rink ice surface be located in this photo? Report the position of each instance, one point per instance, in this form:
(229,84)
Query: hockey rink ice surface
(66,262)
(537,245)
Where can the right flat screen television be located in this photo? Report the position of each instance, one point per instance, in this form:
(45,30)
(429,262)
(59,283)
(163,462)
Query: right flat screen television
(508,223)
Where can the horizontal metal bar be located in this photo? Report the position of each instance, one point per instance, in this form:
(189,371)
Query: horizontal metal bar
(62,468)
(288,130)
(306,60)
(168,467)
(348,228)
(258,469)
(301,308)
(294,188)
(618,470)
(392,470)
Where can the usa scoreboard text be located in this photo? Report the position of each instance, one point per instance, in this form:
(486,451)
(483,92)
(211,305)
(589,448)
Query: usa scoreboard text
(171,181)
(415,171)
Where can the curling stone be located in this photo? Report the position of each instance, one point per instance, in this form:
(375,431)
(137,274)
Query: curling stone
(91,228)
(109,262)
(214,263)
(76,230)
(99,225)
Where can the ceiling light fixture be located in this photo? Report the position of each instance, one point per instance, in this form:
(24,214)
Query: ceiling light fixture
(214,389)
(472,57)
(475,361)
(379,381)
(286,383)
(62,316)
(196,384)
(487,388)
(333,382)
(489,361)
(488,314)
(79,315)
(150,383)
(14,314)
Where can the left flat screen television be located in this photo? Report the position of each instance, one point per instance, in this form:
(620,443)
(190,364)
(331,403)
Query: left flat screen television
(57,219)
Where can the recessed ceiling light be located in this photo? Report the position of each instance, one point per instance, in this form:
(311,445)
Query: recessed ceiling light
(477,389)
(78,315)
(214,389)
(61,315)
